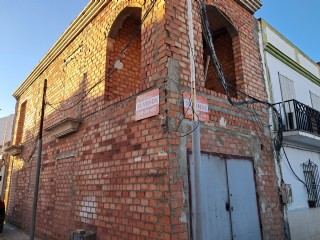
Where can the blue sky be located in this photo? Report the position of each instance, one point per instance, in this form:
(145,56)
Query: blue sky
(296,20)
(28,29)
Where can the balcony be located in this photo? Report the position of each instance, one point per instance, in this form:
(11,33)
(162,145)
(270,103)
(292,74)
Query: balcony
(301,123)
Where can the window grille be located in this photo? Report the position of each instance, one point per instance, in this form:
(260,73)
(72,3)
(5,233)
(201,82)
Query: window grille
(311,175)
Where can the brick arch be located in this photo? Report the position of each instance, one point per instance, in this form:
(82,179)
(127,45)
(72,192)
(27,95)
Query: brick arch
(116,11)
(128,79)
(227,46)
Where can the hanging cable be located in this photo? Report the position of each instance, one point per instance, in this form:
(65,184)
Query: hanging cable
(299,179)
(208,37)
(123,52)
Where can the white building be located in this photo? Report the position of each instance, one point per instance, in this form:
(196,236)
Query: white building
(293,82)
(6,124)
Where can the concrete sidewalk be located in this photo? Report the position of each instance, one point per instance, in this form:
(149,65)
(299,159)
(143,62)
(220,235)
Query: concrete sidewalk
(11,232)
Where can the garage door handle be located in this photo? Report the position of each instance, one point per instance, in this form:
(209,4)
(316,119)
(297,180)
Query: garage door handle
(227,206)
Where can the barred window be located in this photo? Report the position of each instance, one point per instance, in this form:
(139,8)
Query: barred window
(311,175)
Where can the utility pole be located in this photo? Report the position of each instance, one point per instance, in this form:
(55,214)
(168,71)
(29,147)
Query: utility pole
(196,151)
(36,182)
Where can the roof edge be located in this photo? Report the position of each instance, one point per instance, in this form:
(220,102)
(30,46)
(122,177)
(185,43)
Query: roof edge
(251,5)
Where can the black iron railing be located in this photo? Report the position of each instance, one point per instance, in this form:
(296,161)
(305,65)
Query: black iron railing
(298,116)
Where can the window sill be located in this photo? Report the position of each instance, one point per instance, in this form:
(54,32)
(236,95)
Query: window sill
(64,127)
(14,150)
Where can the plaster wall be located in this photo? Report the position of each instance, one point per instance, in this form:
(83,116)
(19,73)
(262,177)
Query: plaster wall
(5,134)
(302,85)
(278,41)
(304,221)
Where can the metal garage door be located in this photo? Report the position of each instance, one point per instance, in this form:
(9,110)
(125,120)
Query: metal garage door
(228,199)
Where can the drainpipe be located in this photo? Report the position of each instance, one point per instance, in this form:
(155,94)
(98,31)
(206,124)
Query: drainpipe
(196,151)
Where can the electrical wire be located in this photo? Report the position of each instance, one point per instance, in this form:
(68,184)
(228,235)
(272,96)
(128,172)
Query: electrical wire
(139,27)
(184,114)
(123,51)
(222,79)
(198,123)
(285,154)
(33,149)
(85,94)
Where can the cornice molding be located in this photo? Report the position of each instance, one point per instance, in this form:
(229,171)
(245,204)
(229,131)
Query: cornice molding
(83,19)
(251,5)
(292,64)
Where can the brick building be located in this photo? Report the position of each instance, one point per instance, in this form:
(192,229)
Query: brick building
(125,179)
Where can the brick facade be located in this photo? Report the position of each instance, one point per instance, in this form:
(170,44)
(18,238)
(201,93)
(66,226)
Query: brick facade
(127,179)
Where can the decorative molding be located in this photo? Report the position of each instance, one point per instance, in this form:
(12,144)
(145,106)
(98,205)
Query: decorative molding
(64,127)
(291,63)
(251,5)
(83,19)
(64,155)
(265,25)
(14,150)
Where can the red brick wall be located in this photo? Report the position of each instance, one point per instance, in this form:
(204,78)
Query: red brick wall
(123,178)
(224,51)
(20,126)
(128,79)
(231,130)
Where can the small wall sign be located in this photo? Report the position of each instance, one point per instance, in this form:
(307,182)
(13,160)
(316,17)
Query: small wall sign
(147,105)
(202,108)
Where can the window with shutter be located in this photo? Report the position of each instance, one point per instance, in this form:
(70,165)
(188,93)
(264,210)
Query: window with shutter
(315,100)
(287,88)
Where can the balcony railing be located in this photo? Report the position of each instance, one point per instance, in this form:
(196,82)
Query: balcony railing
(298,116)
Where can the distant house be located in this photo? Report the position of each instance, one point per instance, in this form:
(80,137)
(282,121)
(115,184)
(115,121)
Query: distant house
(117,153)
(293,82)
(6,124)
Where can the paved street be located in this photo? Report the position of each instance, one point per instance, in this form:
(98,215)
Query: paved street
(10,232)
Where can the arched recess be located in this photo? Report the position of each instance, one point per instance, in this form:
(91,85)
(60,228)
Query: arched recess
(128,78)
(226,43)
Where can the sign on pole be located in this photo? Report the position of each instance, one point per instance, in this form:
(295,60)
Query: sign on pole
(201,109)
(147,105)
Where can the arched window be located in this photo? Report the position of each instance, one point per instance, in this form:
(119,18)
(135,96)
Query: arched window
(21,122)
(224,35)
(128,78)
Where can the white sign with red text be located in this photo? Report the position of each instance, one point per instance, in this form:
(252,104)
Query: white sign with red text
(201,109)
(147,105)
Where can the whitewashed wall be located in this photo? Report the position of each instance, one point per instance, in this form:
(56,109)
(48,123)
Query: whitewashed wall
(302,85)
(304,222)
